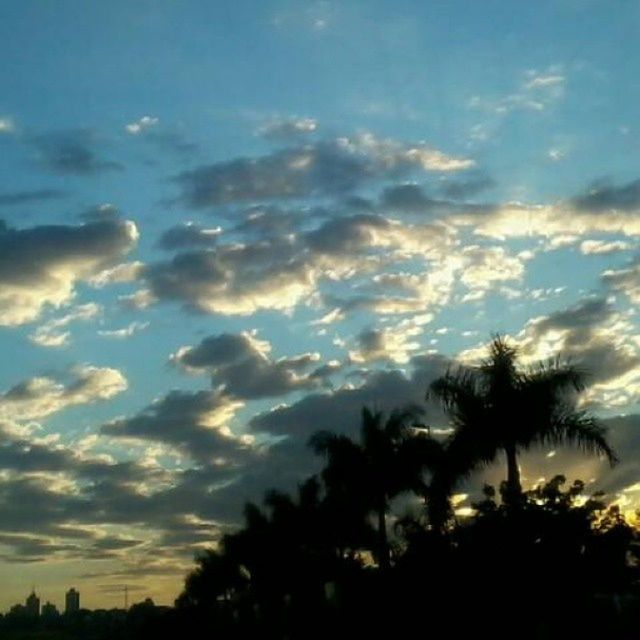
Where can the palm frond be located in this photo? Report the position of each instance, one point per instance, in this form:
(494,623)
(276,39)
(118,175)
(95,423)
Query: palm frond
(582,431)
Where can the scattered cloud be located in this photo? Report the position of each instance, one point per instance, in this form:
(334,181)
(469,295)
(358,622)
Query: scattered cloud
(40,265)
(287,129)
(54,333)
(605,196)
(6,125)
(126,332)
(188,235)
(195,423)
(330,167)
(241,367)
(141,125)
(40,397)
(72,151)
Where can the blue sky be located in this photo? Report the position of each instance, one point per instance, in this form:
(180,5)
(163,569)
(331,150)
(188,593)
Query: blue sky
(227,225)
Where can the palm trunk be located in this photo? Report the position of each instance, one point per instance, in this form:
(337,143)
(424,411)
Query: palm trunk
(384,559)
(514,488)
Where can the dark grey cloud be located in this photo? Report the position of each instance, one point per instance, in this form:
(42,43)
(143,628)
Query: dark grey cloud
(9,199)
(194,423)
(603,196)
(333,167)
(72,151)
(27,548)
(587,341)
(188,235)
(290,173)
(241,366)
(264,222)
(115,543)
(407,198)
(467,188)
(235,278)
(41,264)
(100,213)
(340,410)
(283,270)
(580,317)
(346,234)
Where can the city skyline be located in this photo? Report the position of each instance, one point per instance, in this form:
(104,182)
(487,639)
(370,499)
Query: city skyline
(225,226)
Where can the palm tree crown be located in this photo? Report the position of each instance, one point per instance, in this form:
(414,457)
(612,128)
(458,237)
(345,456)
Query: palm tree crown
(390,458)
(500,408)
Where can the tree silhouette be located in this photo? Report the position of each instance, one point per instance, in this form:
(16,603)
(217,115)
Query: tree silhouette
(389,459)
(500,408)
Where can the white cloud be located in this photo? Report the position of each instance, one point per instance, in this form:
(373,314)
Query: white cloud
(600,247)
(141,125)
(125,332)
(40,397)
(51,334)
(6,125)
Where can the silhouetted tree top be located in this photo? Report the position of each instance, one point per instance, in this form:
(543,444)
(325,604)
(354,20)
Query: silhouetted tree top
(498,407)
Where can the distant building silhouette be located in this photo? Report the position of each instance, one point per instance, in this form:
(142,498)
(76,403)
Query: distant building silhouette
(49,610)
(32,605)
(72,601)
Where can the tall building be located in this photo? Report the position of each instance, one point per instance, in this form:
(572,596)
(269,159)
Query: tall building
(72,601)
(32,605)
(49,610)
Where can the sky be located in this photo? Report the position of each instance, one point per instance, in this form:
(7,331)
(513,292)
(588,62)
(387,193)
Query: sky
(226,225)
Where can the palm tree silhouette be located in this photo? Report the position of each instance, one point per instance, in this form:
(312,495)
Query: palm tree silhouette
(498,407)
(390,459)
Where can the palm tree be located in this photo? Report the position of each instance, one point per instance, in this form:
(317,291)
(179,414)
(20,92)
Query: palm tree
(390,459)
(498,407)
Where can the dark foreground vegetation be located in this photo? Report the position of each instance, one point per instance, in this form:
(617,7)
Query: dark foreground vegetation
(373,546)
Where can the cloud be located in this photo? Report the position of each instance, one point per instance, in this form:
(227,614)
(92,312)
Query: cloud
(188,235)
(281,271)
(71,151)
(6,125)
(141,125)
(149,129)
(390,343)
(596,338)
(406,197)
(100,213)
(40,265)
(543,80)
(467,188)
(40,397)
(484,266)
(126,332)
(515,220)
(340,410)
(241,367)
(24,197)
(195,423)
(52,333)
(601,247)
(233,279)
(287,129)
(121,273)
(604,196)
(625,280)
(267,222)
(331,167)
(538,90)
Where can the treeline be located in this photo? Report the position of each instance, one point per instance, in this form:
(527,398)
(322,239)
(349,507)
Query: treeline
(373,545)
